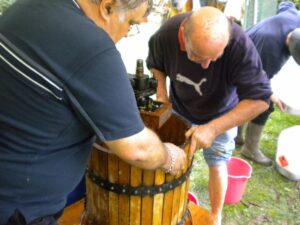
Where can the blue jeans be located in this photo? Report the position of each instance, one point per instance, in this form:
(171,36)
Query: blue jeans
(221,150)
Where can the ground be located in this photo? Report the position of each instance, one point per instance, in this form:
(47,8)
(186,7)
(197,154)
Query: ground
(269,198)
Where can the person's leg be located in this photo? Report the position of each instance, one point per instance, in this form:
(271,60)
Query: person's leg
(240,140)
(217,157)
(253,134)
(217,189)
(251,149)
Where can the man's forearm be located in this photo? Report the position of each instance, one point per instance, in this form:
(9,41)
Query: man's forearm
(146,151)
(161,91)
(142,150)
(245,111)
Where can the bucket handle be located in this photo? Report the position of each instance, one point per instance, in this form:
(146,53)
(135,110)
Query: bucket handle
(240,177)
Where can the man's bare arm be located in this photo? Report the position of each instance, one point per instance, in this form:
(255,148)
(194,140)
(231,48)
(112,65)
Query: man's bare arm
(161,92)
(202,136)
(145,150)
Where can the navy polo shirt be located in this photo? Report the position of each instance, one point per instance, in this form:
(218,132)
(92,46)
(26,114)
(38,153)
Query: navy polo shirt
(44,144)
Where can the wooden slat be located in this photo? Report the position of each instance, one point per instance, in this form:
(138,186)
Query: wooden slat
(183,199)
(91,189)
(103,217)
(135,201)
(124,200)
(175,206)
(147,201)
(113,200)
(158,199)
(184,187)
(187,183)
(168,203)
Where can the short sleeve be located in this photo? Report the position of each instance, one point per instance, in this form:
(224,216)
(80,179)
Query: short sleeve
(155,54)
(103,89)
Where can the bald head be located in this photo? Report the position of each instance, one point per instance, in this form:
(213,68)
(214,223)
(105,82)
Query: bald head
(208,23)
(207,33)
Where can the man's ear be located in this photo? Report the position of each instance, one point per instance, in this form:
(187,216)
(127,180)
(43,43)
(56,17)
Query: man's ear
(288,39)
(106,8)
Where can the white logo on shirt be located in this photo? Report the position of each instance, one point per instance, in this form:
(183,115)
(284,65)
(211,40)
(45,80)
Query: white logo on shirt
(186,80)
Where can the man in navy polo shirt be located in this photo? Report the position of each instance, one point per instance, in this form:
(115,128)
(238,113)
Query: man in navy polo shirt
(44,142)
(276,39)
(216,82)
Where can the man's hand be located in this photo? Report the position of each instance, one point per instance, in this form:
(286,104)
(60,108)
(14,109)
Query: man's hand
(278,102)
(201,136)
(176,159)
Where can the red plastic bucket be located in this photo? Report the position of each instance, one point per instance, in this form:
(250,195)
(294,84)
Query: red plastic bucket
(239,171)
(192,197)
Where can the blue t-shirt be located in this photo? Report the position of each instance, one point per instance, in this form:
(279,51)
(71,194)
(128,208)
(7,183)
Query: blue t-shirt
(269,36)
(201,95)
(44,145)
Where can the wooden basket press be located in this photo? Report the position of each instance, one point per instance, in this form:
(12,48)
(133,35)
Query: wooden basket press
(121,194)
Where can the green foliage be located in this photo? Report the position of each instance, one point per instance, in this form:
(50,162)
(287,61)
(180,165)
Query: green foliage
(269,197)
(4,4)
(297,3)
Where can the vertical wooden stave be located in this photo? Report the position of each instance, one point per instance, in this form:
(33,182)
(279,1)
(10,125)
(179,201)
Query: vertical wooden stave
(135,201)
(168,202)
(103,194)
(113,177)
(147,201)
(93,168)
(89,188)
(158,199)
(97,190)
(184,186)
(175,205)
(124,200)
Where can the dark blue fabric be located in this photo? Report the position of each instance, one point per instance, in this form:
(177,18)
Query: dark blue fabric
(44,145)
(78,193)
(269,36)
(17,218)
(237,75)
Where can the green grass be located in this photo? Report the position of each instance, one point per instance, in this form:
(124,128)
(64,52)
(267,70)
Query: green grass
(269,197)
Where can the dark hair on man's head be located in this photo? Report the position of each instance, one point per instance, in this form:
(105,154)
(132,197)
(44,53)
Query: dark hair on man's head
(130,4)
(294,45)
